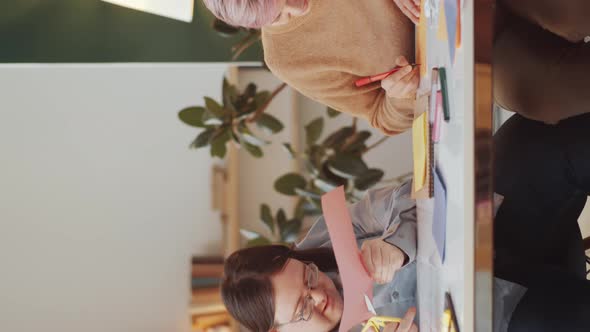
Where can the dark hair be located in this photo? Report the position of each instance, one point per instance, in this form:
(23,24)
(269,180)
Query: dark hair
(246,289)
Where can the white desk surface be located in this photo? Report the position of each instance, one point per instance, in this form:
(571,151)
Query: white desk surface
(455,159)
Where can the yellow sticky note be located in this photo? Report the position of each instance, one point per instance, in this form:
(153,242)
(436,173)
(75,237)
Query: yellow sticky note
(441,32)
(420,146)
(421,41)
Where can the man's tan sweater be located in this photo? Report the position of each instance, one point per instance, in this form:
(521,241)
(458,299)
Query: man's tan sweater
(322,53)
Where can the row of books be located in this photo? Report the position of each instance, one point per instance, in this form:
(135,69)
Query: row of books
(208,314)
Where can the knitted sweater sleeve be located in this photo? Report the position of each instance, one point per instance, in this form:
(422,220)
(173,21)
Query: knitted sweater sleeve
(337,90)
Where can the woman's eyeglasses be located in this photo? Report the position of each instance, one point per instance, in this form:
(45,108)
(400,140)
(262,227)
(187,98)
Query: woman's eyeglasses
(306,304)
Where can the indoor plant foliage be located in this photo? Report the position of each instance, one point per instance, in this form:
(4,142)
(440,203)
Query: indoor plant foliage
(336,160)
(231,119)
(250,36)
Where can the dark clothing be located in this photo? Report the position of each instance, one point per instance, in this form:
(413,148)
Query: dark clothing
(541,62)
(543,172)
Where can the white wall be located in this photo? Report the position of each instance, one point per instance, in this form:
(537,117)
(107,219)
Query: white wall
(257,176)
(102,204)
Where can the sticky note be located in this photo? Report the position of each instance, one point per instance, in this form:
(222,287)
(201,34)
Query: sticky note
(438,117)
(442,31)
(420,149)
(356,282)
(450,11)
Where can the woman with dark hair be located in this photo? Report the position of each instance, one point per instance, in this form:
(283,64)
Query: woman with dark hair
(543,172)
(272,288)
(249,276)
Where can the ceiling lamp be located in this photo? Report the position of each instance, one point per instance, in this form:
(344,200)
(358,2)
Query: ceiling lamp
(177,9)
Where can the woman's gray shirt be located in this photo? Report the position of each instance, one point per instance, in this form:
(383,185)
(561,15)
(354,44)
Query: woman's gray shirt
(390,213)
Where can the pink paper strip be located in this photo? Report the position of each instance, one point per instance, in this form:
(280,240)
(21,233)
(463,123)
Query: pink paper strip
(355,280)
(438,110)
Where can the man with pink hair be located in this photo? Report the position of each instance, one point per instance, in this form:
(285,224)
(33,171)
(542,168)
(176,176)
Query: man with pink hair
(321,48)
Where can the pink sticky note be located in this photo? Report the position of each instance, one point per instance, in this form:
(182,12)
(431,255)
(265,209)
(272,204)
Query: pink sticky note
(438,110)
(356,282)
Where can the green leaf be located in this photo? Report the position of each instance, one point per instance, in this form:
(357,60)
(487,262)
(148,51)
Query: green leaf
(314,158)
(269,123)
(266,217)
(290,230)
(259,241)
(337,138)
(281,218)
(289,149)
(368,179)
(332,177)
(313,130)
(261,98)
(202,139)
(249,137)
(218,150)
(253,150)
(218,142)
(224,29)
(192,116)
(324,185)
(211,120)
(311,168)
(347,166)
(288,183)
(332,113)
(299,211)
(229,93)
(214,107)
(357,142)
(250,90)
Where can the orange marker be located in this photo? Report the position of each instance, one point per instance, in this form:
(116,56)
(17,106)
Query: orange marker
(370,79)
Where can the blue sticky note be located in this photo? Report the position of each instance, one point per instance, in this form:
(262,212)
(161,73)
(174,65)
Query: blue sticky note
(451,20)
(439,223)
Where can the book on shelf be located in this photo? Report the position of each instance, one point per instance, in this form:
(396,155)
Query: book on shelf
(211,270)
(206,301)
(206,295)
(206,309)
(207,260)
(197,283)
(204,322)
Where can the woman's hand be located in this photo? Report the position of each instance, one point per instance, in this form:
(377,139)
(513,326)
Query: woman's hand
(382,259)
(403,83)
(406,325)
(411,8)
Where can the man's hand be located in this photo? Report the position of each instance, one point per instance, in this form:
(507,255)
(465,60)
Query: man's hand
(410,8)
(381,259)
(406,324)
(403,83)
